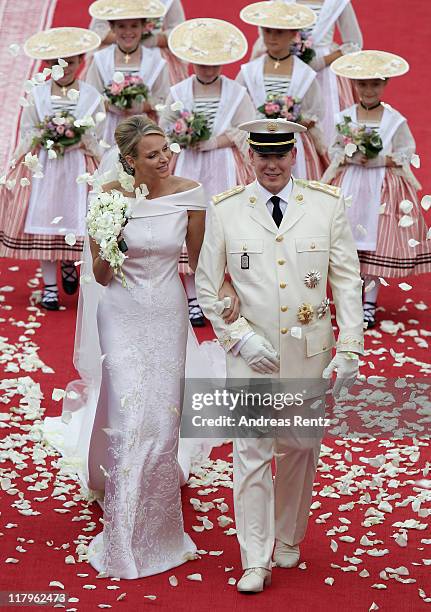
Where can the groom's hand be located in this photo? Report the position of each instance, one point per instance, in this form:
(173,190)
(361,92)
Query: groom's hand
(259,355)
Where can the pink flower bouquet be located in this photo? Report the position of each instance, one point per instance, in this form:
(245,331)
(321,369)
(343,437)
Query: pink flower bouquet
(58,132)
(123,95)
(188,129)
(281,106)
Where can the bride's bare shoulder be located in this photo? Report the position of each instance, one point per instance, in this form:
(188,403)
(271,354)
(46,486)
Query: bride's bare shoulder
(183,184)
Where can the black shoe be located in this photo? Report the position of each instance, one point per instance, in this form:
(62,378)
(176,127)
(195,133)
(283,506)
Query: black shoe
(370,314)
(50,298)
(69,277)
(196,315)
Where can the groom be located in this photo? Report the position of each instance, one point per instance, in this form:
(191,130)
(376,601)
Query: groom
(281,240)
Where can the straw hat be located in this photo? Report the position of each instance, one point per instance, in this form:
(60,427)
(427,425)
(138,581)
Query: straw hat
(278,14)
(370,65)
(211,42)
(60,43)
(111,10)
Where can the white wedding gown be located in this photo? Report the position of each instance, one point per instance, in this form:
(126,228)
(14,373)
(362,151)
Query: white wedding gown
(123,425)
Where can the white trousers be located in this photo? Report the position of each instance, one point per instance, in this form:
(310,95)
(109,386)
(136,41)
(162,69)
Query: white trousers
(267,509)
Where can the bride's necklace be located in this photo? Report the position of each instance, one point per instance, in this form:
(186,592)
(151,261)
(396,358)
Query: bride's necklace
(207,82)
(128,54)
(278,60)
(368,108)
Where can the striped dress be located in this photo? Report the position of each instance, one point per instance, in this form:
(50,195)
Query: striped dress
(14,241)
(400,251)
(207,106)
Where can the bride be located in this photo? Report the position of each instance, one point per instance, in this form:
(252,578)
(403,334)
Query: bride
(132,372)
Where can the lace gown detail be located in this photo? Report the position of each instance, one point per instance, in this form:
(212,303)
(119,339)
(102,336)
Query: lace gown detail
(133,449)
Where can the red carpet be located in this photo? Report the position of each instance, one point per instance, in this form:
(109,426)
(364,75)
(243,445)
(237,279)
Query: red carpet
(40,543)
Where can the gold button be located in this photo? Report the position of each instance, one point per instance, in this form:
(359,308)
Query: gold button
(281,262)
(299,197)
(283,308)
(312,245)
(283,285)
(252,200)
(279,238)
(284,330)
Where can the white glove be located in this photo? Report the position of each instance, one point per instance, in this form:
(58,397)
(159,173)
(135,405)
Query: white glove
(260,355)
(221,305)
(349,47)
(347,366)
(206,145)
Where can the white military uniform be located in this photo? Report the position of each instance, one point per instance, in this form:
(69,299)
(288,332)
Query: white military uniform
(276,294)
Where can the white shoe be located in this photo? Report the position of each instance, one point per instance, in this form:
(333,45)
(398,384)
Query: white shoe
(285,555)
(253,580)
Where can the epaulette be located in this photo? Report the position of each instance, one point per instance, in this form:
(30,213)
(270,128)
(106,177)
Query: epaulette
(226,194)
(330,189)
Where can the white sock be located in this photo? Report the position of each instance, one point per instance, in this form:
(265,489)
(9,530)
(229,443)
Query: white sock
(371,294)
(49,272)
(189,285)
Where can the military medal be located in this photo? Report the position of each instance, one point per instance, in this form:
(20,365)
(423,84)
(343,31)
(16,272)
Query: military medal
(322,308)
(305,314)
(312,279)
(244,261)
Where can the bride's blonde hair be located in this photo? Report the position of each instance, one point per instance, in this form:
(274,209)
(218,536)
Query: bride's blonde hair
(129,133)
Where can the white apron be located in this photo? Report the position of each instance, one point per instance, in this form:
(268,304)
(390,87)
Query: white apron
(216,169)
(57,193)
(151,66)
(365,184)
(302,78)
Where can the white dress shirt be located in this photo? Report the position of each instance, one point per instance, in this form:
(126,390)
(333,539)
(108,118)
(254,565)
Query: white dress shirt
(267,195)
(283,195)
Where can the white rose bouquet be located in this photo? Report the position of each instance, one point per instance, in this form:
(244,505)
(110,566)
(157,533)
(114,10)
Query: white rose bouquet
(108,214)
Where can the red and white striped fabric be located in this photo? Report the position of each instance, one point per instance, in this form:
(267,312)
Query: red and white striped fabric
(394,257)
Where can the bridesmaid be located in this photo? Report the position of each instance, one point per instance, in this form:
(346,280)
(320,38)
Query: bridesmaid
(221,161)
(337,91)
(386,218)
(156,33)
(37,214)
(129,56)
(279,72)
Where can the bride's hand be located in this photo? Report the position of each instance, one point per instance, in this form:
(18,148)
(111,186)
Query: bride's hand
(229,314)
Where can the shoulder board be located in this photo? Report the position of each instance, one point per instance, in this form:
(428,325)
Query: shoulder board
(330,189)
(226,194)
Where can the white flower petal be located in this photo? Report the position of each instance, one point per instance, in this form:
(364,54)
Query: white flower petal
(62,63)
(100,116)
(175,147)
(330,581)
(195,577)
(56,220)
(56,584)
(160,107)
(382,209)
(404,286)
(415,161)
(406,206)
(413,243)
(73,94)
(405,221)
(14,49)
(173,581)
(57,72)
(177,106)
(52,154)
(426,202)
(118,77)
(58,394)
(24,182)
(70,239)
(350,149)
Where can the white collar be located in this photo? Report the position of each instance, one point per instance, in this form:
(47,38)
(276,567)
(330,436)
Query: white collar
(283,194)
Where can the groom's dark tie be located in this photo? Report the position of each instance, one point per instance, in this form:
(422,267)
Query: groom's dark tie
(277,215)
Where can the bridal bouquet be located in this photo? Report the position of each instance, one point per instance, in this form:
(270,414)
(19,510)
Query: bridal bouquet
(151,26)
(359,138)
(123,95)
(58,132)
(281,106)
(188,129)
(108,214)
(302,46)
